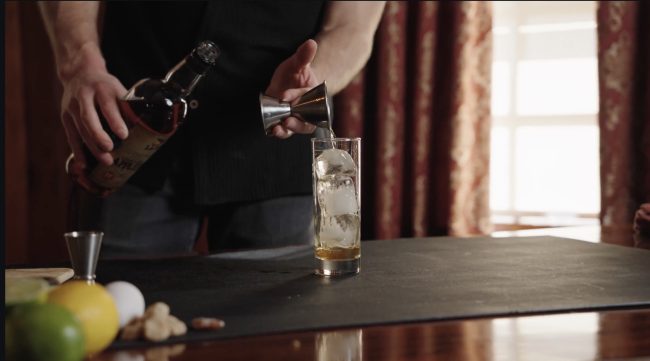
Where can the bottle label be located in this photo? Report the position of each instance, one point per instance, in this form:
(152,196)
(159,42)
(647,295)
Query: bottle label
(132,153)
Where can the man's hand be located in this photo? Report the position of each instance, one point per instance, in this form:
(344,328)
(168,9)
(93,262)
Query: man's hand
(86,85)
(344,45)
(72,28)
(293,78)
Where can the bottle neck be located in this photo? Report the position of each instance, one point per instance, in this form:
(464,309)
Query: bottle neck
(186,74)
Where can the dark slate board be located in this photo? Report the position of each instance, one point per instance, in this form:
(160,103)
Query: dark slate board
(405,280)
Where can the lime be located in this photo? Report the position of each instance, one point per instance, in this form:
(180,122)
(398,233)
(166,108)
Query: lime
(94,308)
(25,290)
(44,331)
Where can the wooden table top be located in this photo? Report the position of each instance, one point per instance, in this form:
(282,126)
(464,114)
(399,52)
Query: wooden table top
(619,335)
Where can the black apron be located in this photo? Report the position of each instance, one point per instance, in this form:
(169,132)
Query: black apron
(221,153)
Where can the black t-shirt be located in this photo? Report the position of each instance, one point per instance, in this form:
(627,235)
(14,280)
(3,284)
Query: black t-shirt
(221,154)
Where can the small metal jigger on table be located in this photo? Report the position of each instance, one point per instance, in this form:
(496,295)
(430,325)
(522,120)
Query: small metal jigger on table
(83,248)
(315,107)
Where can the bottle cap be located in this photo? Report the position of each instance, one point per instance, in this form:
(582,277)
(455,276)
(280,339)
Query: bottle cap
(207,52)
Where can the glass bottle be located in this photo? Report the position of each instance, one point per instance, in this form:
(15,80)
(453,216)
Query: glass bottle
(153,109)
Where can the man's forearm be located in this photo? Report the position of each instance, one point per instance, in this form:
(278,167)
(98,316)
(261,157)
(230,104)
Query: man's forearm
(72,29)
(345,41)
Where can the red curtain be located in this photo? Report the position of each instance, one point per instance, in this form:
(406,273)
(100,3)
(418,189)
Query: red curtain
(36,186)
(422,108)
(624,117)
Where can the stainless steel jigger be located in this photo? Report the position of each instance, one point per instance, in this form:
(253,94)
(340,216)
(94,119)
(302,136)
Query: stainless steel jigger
(315,107)
(83,248)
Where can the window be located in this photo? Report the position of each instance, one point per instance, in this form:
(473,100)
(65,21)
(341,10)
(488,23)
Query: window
(544,156)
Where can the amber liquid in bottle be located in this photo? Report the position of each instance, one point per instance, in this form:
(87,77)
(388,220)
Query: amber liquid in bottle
(153,113)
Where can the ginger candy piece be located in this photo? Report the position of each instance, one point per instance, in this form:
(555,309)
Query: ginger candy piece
(177,326)
(156,329)
(157,324)
(157,310)
(133,330)
(207,323)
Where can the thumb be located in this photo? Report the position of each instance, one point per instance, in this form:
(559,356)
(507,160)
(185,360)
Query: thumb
(304,55)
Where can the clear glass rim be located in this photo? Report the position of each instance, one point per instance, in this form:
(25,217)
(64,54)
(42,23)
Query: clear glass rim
(329,140)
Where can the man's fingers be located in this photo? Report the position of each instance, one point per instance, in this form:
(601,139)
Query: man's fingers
(280,132)
(74,141)
(74,114)
(107,102)
(295,71)
(100,155)
(290,126)
(297,126)
(90,121)
(304,55)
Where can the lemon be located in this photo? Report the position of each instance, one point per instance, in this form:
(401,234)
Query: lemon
(95,309)
(25,290)
(43,331)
